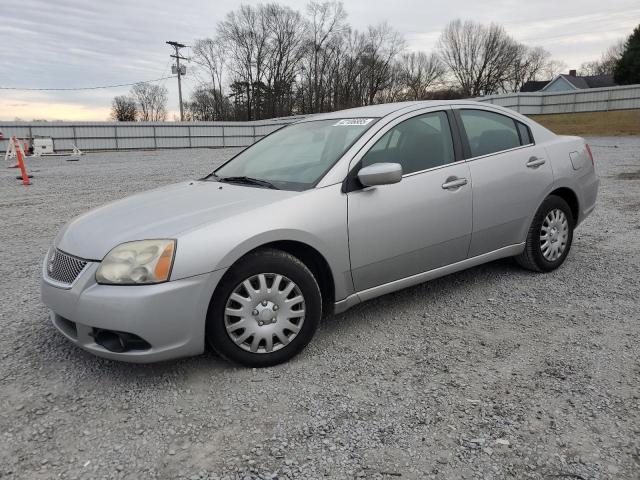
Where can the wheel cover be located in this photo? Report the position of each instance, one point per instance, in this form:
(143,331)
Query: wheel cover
(554,235)
(264,313)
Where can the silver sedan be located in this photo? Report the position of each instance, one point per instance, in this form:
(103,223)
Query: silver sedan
(323,214)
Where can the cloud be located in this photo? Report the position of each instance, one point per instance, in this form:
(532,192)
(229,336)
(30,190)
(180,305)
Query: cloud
(75,43)
(51,110)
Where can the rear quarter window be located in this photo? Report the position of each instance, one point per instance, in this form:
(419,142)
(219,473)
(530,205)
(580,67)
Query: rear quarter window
(525,134)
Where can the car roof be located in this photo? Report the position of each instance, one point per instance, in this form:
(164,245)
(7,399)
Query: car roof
(384,109)
(399,108)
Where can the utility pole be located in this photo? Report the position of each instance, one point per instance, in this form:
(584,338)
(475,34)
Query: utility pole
(177,56)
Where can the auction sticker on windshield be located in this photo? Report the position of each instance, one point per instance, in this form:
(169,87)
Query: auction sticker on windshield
(353,121)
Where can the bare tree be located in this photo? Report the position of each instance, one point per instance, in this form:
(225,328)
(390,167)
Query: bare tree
(209,99)
(383,45)
(607,62)
(278,61)
(264,45)
(285,39)
(479,57)
(529,64)
(419,72)
(327,26)
(395,90)
(207,104)
(590,68)
(151,100)
(344,68)
(611,56)
(553,68)
(209,56)
(244,38)
(349,85)
(123,109)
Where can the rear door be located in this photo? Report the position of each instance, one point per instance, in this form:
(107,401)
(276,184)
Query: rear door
(510,174)
(422,222)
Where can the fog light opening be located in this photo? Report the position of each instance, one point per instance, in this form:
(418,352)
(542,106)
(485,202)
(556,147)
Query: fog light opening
(119,342)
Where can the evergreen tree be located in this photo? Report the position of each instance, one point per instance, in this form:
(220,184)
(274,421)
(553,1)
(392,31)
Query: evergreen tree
(627,70)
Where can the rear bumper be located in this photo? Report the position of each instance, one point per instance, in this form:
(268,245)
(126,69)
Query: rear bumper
(169,316)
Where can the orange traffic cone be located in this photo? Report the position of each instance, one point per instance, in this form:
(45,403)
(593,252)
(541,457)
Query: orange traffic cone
(20,155)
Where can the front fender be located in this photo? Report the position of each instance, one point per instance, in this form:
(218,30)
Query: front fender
(318,219)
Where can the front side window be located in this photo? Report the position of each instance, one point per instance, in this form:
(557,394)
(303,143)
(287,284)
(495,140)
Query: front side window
(489,132)
(417,144)
(295,157)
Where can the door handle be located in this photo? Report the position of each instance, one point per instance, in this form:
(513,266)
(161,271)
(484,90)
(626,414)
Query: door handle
(535,162)
(453,182)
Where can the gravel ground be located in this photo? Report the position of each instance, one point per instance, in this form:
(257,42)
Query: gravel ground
(490,373)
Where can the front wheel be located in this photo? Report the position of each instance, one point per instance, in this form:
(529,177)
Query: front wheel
(265,310)
(549,237)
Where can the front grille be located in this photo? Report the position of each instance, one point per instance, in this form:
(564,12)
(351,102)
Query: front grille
(64,268)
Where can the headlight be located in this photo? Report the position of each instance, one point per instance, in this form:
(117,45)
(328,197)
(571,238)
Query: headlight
(137,263)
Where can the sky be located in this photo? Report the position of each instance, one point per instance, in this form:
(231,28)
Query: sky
(83,43)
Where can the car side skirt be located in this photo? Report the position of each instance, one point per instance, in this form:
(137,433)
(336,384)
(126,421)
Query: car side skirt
(368,294)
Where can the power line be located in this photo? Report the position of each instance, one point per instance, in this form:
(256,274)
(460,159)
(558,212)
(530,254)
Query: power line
(164,70)
(85,88)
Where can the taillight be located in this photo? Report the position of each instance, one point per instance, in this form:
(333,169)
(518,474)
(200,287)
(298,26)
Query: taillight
(590,154)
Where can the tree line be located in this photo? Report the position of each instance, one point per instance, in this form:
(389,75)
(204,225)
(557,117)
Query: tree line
(145,102)
(622,60)
(269,60)
(280,61)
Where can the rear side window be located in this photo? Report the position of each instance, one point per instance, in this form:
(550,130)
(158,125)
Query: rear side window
(418,143)
(490,132)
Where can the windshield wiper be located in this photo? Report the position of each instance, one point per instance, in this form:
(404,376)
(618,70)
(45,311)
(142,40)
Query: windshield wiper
(249,181)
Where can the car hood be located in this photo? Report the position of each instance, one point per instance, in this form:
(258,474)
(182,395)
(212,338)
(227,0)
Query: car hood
(161,213)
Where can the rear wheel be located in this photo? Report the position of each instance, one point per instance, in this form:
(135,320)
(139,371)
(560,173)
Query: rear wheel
(265,310)
(549,237)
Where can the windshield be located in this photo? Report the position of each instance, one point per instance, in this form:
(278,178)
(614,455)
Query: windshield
(295,157)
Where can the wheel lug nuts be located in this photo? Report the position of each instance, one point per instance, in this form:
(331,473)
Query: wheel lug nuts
(255,312)
(264,303)
(275,308)
(261,323)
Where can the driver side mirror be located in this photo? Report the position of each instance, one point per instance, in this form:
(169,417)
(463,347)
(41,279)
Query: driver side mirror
(380,174)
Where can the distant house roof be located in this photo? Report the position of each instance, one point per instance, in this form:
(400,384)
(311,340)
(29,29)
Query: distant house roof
(534,85)
(597,81)
(578,82)
(575,81)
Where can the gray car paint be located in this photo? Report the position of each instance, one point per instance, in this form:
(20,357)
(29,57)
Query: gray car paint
(435,225)
(504,189)
(165,212)
(380,174)
(425,231)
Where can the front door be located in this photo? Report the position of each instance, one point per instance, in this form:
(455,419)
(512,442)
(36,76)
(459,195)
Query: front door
(421,223)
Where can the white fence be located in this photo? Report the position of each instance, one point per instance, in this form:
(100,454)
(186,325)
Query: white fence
(151,135)
(90,136)
(591,100)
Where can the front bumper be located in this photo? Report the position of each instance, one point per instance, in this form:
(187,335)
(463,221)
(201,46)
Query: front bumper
(169,316)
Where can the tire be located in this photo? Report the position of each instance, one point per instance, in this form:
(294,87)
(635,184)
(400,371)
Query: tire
(543,254)
(265,310)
